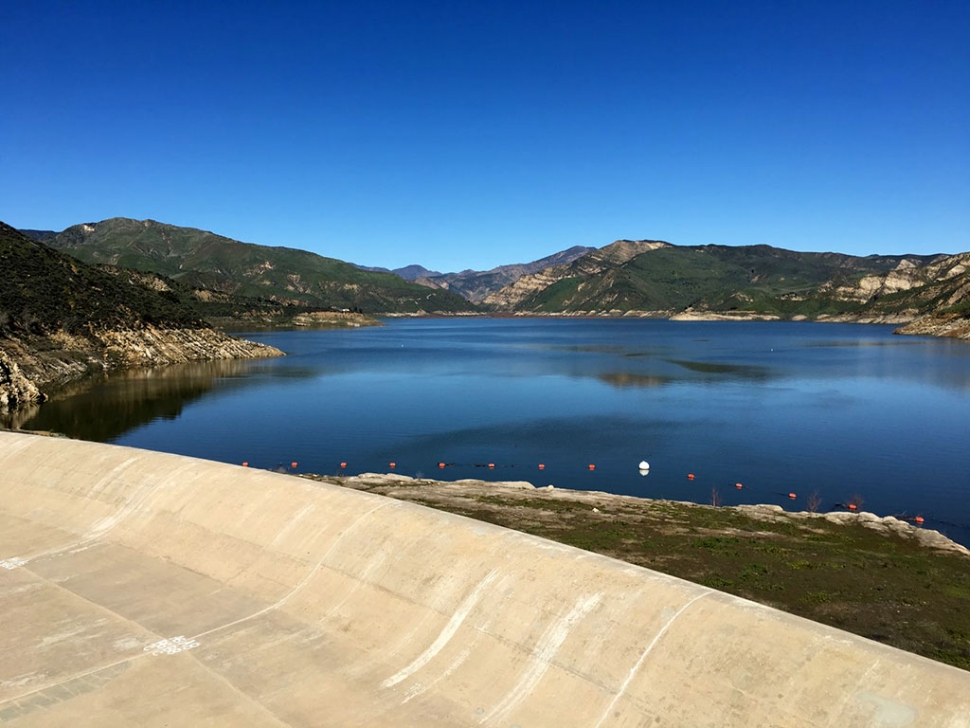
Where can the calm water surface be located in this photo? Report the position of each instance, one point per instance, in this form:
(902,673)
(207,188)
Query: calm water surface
(842,410)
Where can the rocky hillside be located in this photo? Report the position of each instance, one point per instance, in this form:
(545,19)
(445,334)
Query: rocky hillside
(200,259)
(61,319)
(941,293)
(942,285)
(521,294)
(656,278)
(476,286)
(16,390)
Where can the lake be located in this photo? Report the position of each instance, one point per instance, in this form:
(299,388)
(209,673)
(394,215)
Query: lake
(840,412)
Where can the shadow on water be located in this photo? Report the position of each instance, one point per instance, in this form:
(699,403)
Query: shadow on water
(611,349)
(705,370)
(741,371)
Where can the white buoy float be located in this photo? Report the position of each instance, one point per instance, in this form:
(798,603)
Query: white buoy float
(644,467)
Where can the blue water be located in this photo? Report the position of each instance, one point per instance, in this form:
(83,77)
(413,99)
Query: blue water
(844,411)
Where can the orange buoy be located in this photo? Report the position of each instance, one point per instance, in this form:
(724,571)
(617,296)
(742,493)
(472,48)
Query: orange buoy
(690,476)
(853,507)
(441,465)
(738,486)
(919,520)
(542,466)
(792,496)
(245,464)
(491,466)
(592,466)
(393,465)
(293,464)
(343,465)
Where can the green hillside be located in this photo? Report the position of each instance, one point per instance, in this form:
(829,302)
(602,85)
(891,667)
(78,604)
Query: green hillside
(758,279)
(197,258)
(43,291)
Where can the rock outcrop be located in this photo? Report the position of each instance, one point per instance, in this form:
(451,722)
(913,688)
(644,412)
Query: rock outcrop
(28,366)
(509,298)
(885,525)
(156,347)
(950,326)
(16,390)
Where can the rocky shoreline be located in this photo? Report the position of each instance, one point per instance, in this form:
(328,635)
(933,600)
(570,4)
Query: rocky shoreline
(949,326)
(30,366)
(402,486)
(943,325)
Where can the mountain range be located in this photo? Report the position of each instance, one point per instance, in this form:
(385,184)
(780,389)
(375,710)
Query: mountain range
(627,277)
(656,277)
(477,285)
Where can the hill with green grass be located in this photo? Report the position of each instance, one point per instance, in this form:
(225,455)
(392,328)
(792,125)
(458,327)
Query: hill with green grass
(201,259)
(663,279)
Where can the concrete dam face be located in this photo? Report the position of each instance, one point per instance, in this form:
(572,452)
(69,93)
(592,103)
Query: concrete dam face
(145,589)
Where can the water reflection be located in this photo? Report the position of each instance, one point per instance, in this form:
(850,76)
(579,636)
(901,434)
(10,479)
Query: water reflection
(633,379)
(742,371)
(104,408)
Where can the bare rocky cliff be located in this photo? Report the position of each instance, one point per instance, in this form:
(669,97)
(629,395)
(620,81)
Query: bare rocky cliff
(908,276)
(36,363)
(16,390)
(590,264)
(155,347)
(508,298)
(476,286)
(950,326)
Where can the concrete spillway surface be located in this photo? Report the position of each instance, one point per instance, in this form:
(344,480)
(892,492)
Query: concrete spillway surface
(146,589)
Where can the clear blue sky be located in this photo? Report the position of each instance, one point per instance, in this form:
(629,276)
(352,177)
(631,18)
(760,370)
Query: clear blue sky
(469,135)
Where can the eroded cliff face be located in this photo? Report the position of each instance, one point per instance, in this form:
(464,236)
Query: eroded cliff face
(28,366)
(16,390)
(156,347)
(905,277)
(949,326)
(508,298)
